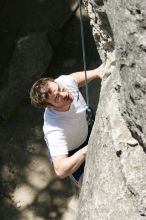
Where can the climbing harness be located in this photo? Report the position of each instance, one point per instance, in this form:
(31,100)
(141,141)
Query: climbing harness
(89,111)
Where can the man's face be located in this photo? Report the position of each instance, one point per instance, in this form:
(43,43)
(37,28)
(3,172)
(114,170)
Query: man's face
(60,98)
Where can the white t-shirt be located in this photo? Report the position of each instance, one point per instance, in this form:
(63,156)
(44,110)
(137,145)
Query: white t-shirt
(65,131)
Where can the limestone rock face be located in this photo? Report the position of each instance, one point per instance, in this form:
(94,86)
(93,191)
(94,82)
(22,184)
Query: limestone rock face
(114,186)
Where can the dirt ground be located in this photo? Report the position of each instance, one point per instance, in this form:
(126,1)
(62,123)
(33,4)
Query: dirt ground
(29,188)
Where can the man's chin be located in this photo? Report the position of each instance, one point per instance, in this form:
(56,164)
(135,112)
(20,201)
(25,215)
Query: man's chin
(71,100)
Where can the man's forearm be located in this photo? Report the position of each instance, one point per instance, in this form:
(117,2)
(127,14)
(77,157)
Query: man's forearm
(91,75)
(66,166)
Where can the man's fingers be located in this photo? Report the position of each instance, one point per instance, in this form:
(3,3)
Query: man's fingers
(110,61)
(110,64)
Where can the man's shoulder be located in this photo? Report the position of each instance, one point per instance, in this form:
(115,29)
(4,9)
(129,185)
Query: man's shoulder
(51,122)
(67,80)
(52,117)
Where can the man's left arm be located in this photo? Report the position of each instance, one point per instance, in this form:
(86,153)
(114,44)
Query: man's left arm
(91,75)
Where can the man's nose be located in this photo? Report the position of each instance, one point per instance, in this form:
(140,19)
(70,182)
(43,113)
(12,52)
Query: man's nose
(63,94)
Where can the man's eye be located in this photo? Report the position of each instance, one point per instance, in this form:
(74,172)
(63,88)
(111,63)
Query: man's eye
(59,88)
(63,89)
(56,98)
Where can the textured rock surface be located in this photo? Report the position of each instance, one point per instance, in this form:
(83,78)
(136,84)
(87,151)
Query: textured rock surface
(114,185)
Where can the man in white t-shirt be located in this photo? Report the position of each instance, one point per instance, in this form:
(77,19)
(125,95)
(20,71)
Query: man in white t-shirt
(65,126)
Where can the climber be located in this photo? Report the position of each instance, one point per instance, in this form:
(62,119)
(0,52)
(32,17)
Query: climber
(65,127)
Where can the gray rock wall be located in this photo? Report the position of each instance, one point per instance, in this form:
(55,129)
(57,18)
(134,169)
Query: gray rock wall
(114,186)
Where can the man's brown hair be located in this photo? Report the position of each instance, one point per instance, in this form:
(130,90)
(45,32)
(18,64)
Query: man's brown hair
(39,92)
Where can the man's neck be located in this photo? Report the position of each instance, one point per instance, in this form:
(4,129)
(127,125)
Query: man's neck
(63,109)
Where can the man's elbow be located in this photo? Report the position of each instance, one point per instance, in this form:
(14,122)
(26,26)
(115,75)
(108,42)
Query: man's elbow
(60,173)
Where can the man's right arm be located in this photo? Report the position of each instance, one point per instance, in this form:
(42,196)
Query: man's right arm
(91,75)
(65,166)
(103,70)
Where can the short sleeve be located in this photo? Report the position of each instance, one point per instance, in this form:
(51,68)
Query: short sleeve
(68,81)
(56,143)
